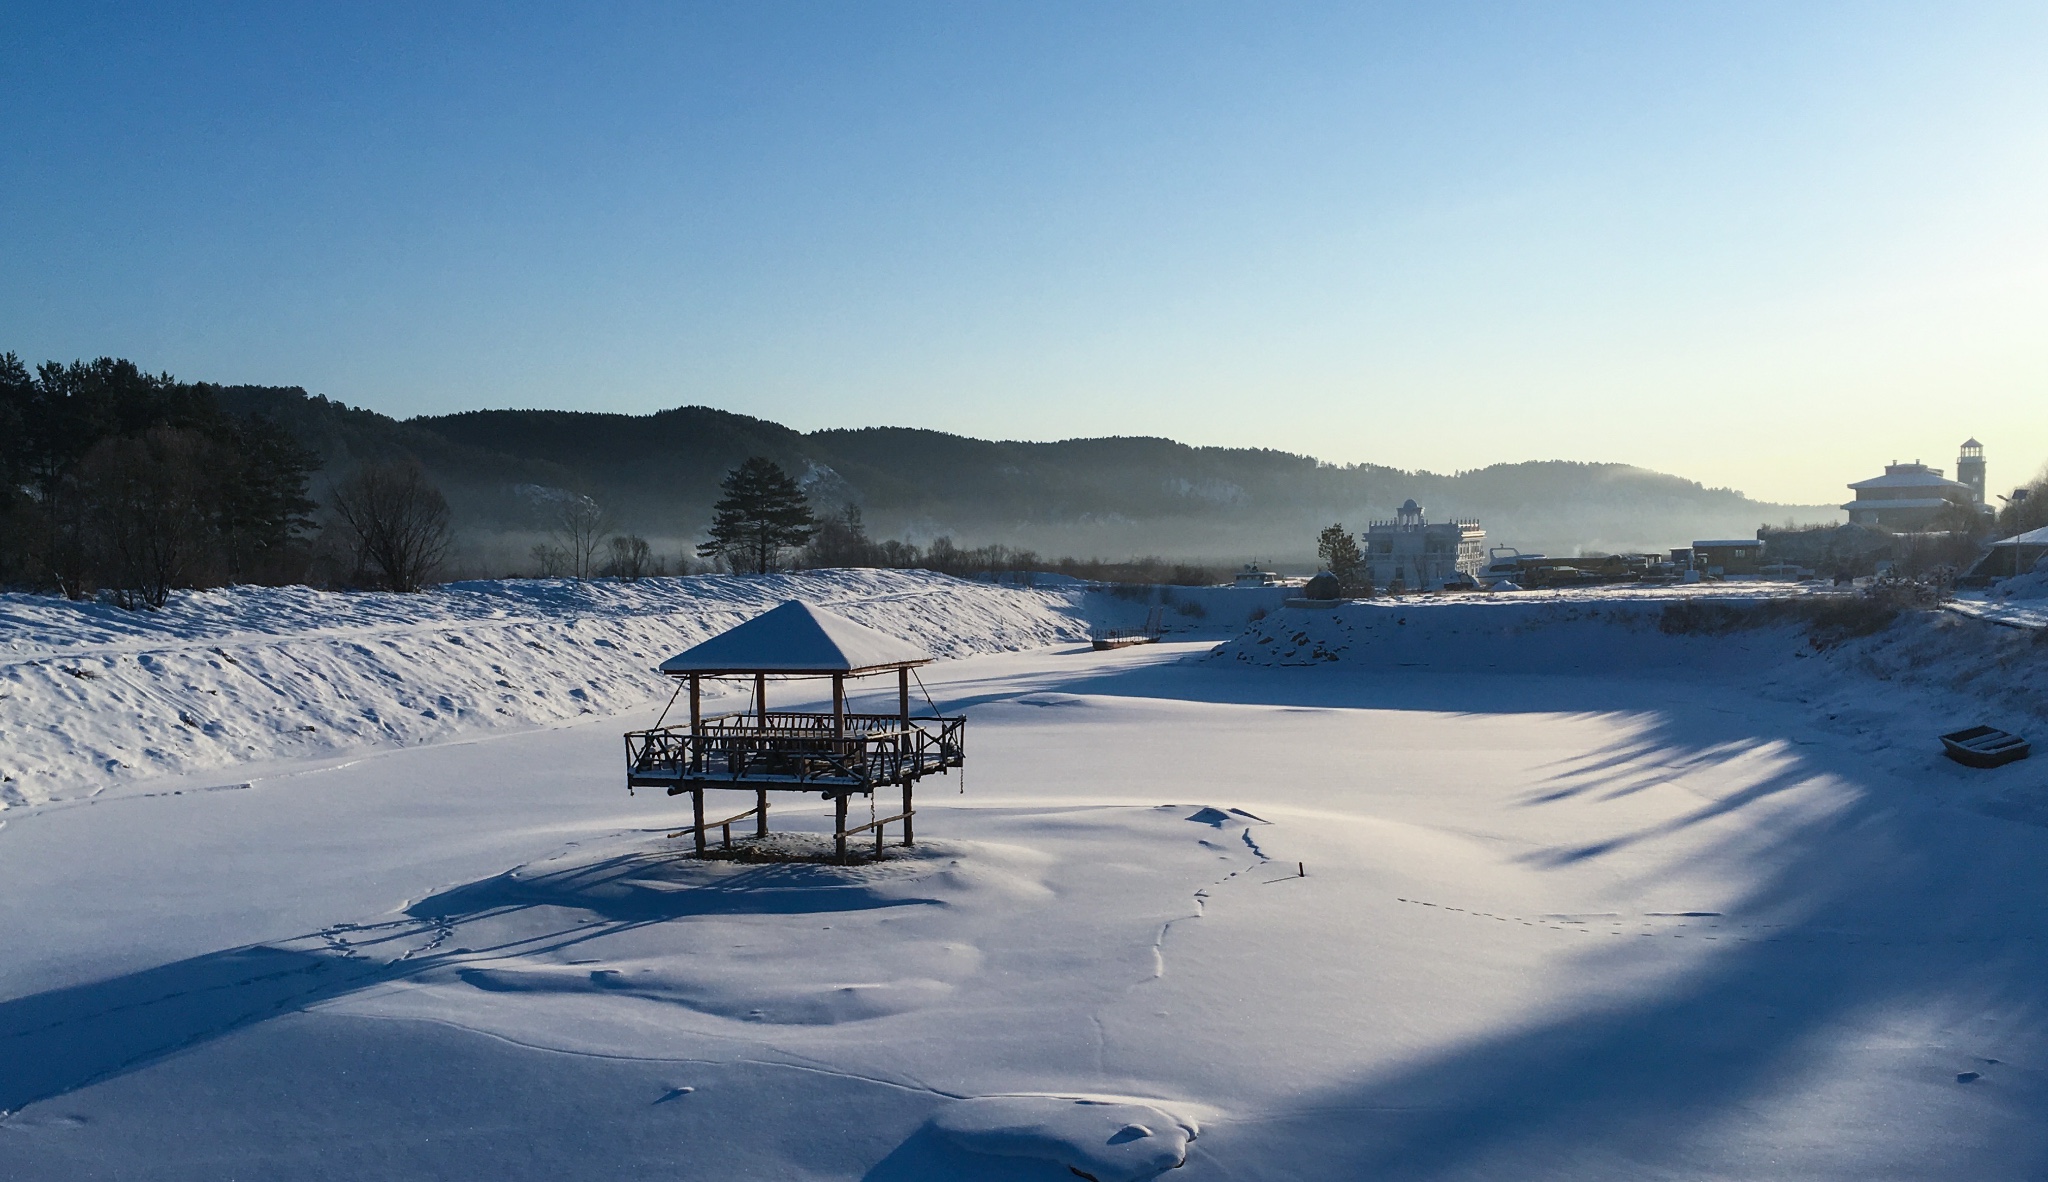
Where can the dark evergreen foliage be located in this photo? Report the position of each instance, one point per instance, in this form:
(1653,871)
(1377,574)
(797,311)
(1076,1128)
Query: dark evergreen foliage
(138,483)
(1342,558)
(762,513)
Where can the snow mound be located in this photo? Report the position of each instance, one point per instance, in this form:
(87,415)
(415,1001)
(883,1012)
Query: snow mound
(775,1003)
(91,696)
(2032,585)
(1619,634)
(638,919)
(1104,1138)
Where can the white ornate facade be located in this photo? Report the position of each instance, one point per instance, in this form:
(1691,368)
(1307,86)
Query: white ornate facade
(1421,554)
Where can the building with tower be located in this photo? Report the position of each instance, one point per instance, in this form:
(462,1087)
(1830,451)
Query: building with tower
(1970,467)
(1909,497)
(1419,554)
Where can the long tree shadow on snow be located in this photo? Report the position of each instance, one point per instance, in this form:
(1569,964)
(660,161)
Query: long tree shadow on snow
(61,1040)
(1867,922)
(1889,925)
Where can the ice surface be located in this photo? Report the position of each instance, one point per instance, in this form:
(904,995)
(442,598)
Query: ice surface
(1724,918)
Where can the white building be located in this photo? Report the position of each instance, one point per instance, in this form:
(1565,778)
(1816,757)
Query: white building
(1421,554)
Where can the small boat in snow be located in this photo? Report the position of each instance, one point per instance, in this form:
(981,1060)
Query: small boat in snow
(1984,746)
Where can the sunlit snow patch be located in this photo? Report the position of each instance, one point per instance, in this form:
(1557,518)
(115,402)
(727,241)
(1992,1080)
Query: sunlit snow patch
(1105,1138)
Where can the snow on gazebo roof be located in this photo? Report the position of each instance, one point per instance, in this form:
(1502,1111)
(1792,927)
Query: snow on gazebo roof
(797,638)
(2033,537)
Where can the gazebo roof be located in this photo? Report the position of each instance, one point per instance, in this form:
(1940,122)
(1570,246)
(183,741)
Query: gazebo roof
(797,638)
(2033,537)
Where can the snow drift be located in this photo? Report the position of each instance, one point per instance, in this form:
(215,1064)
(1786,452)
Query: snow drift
(92,696)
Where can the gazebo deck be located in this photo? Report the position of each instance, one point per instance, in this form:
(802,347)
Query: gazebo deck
(837,755)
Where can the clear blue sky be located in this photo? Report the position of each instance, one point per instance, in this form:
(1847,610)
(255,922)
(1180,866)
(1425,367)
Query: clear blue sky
(1765,245)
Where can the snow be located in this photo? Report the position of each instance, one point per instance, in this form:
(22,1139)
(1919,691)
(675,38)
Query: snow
(1628,904)
(795,637)
(1108,1138)
(2020,601)
(92,697)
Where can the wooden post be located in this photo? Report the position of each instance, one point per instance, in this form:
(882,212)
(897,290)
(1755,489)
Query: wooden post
(696,720)
(839,827)
(761,812)
(839,705)
(761,699)
(697,804)
(904,746)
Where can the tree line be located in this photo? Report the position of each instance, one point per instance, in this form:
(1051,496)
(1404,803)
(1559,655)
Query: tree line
(763,521)
(114,479)
(119,483)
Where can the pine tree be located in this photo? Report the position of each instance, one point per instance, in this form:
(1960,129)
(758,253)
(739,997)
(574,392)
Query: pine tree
(762,512)
(1340,554)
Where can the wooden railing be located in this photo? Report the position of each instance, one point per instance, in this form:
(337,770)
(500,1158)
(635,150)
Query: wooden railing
(797,750)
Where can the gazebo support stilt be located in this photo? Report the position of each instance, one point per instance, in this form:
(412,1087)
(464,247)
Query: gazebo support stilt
(903,745)
(839,827)
(760,812)
(697,807)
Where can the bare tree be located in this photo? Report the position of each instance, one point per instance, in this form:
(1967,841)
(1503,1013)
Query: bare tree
(396,521)
(581,525)
(548,561)
(631,558)
(841,540)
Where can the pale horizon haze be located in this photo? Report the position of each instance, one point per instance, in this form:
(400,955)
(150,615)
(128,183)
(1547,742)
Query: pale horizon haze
(1764,246)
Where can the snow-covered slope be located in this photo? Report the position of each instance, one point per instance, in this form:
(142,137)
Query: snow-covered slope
(1614,633)
(1893,688)
(1762,634)
(92,696)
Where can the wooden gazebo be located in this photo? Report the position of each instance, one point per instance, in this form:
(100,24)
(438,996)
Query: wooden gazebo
(837,754)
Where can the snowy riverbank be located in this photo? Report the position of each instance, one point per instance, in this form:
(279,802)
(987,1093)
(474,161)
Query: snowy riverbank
(92,696)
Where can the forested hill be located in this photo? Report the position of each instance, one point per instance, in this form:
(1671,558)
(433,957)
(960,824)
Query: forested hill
(658,474)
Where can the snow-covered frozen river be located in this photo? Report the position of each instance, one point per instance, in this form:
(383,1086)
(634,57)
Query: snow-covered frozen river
(1550,926)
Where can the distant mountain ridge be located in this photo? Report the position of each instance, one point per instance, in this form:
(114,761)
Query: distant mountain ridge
(1113,497)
